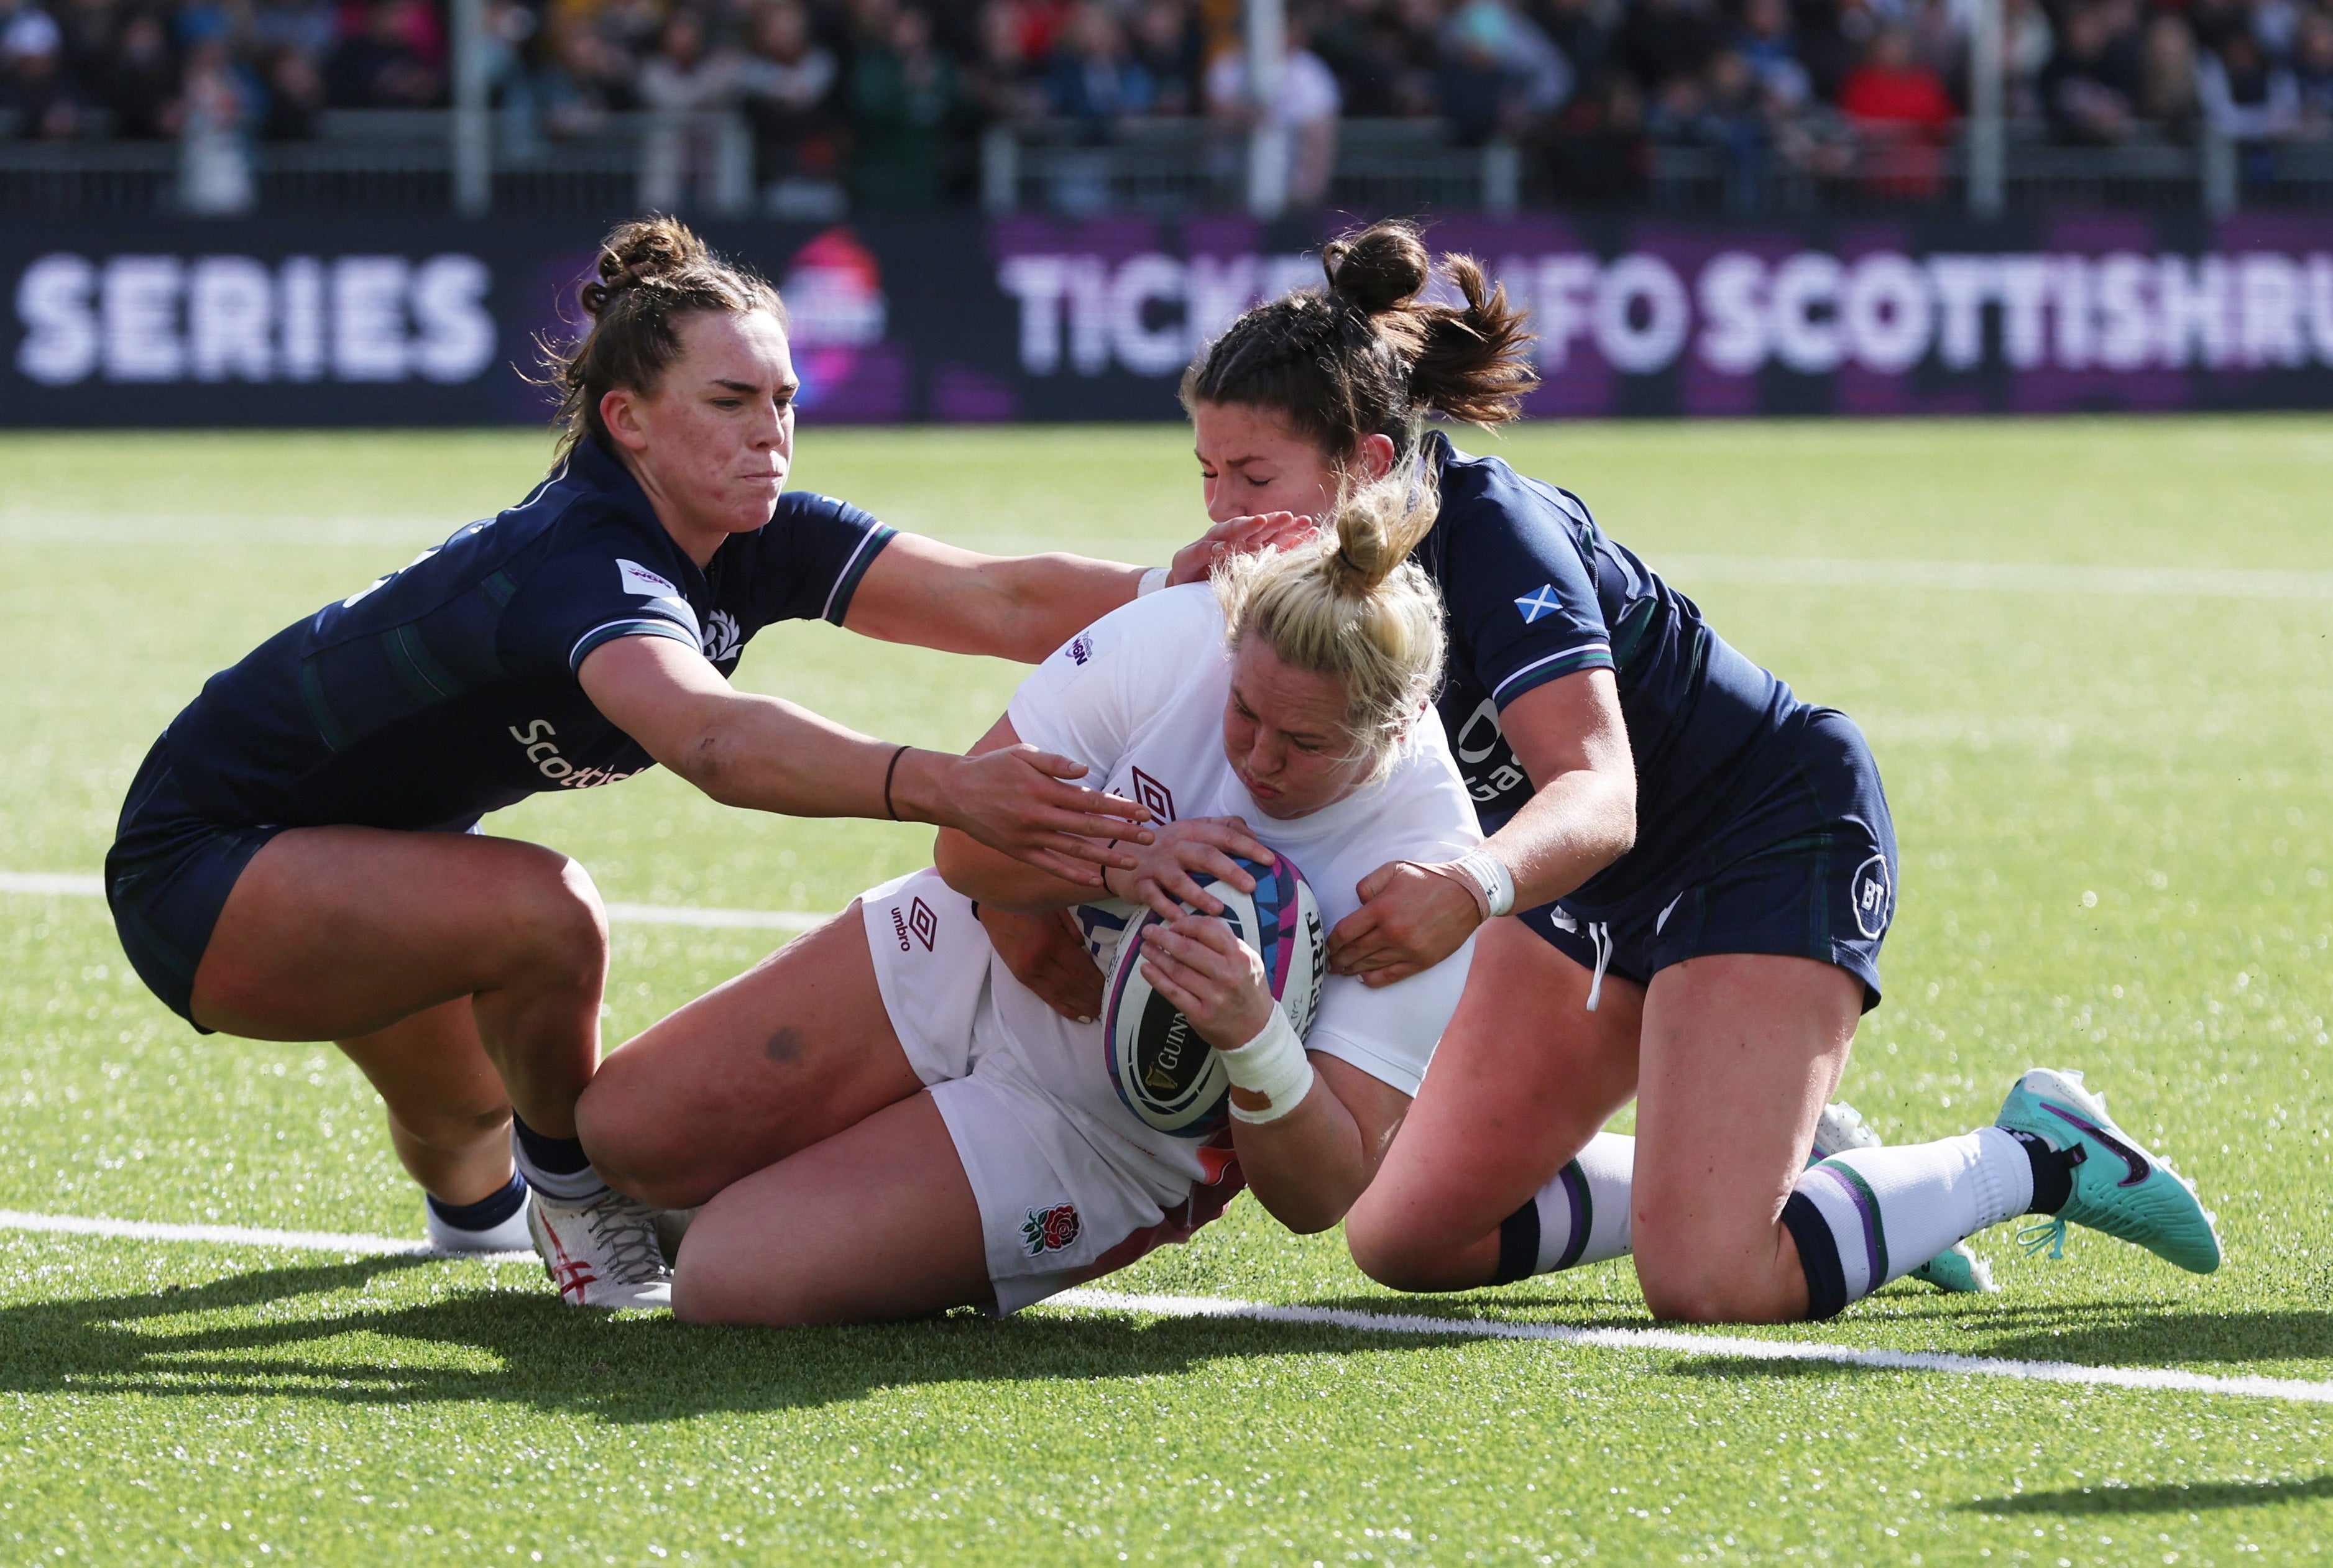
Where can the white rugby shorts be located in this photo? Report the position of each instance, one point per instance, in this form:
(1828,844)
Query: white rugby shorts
(1056,1210)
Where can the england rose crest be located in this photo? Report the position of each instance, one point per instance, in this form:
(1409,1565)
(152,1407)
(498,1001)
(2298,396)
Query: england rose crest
(1050,1229)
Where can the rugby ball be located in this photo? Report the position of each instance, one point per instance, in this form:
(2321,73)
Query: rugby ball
(1163,1071)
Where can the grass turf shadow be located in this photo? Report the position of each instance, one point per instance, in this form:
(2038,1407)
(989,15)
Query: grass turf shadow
(620,1369)
(2103,1332)
(2163,1499)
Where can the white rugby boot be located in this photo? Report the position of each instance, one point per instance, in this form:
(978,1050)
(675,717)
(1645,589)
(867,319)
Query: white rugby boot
(1956,1270)
(601,1252)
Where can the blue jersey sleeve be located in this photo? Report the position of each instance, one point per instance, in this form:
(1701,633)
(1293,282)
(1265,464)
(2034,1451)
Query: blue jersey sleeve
(588,587)
(1522,594)
(805,563)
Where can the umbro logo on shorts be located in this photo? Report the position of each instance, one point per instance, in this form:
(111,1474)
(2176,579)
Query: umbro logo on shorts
(918,921)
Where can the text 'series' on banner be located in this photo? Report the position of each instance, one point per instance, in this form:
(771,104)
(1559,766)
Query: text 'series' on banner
(960,320)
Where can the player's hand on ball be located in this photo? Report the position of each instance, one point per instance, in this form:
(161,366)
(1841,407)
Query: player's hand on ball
(1239,536)
(1045,953)
(1018,801)
(1213,978)
(1410,920)
(1162,873)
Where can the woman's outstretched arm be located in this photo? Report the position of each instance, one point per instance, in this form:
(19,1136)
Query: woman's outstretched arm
(936,596)
(745,749)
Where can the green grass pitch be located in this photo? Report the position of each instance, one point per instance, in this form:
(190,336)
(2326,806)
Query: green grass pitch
(2116,832)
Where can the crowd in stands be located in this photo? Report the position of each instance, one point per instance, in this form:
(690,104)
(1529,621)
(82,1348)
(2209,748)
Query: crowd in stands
(886,99)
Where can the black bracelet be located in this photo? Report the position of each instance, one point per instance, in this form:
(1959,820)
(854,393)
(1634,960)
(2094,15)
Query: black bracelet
(888,809)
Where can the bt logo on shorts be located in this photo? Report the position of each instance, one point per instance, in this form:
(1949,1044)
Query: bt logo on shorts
(1050,1229)
(547,760)
(920,920)
(1875,898)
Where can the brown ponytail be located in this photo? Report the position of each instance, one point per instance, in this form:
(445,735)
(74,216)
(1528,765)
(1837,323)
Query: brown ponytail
(654,274)
(1365,356)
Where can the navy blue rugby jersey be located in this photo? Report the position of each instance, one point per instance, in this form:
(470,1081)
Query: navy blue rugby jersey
(1533,590)
(448,689)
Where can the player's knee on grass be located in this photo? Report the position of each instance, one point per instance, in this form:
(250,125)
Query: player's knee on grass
(1689,1276)
(1401,1253)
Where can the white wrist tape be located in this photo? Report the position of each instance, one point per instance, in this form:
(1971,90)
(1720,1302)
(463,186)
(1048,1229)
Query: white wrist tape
(1152,581)
(1483,875)
(1273,1065)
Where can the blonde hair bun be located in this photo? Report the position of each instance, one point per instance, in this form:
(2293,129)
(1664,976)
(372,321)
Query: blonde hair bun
(1351,605)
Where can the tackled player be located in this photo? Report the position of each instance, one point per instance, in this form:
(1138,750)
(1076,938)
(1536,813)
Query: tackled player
(886,1123)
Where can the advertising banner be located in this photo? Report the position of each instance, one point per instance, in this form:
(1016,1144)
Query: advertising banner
(956,319)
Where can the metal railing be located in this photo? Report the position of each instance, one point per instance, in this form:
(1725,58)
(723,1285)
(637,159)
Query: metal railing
(407,161)
(395,160)
(1166,166)
(2151,173)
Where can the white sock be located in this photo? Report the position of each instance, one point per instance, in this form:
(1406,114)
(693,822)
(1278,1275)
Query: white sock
(1867,1216)
(1580,1216)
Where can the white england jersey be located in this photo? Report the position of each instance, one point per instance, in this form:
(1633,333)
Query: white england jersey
(1138,697)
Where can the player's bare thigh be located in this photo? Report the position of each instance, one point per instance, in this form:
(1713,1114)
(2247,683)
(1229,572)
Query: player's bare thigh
(1524,1075)
(336,934)
(876,1224)
(792,1051)
(1740,1053)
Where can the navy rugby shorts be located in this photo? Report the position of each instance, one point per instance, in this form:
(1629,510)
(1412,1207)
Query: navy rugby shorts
(167,877)
(1806,869)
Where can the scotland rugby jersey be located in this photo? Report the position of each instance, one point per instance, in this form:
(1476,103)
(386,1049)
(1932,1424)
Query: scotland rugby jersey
(448,689)
(1534,591)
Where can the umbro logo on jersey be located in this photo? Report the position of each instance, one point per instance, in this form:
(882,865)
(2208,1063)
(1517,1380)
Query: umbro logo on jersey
(1148,791)
(637,579)
(1541,601)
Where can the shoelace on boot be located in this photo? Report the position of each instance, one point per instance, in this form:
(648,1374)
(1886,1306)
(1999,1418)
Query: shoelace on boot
(628,1230)
(2050,1232)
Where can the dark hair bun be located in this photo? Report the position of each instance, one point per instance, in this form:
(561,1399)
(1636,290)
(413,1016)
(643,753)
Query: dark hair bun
(647,250)
(1381,268)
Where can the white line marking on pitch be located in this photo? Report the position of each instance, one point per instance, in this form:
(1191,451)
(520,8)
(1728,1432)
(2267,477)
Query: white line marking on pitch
(2155,1379)
(227,1235)
(1997,577)
(78,884)
(2151,1380)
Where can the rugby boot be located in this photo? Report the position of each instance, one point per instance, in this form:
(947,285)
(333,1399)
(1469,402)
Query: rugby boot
(601,1252)
(2119,1186)
(1956,1270)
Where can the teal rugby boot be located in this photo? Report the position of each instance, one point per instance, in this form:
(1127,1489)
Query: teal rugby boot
(2117,1186)
(1956,1270)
